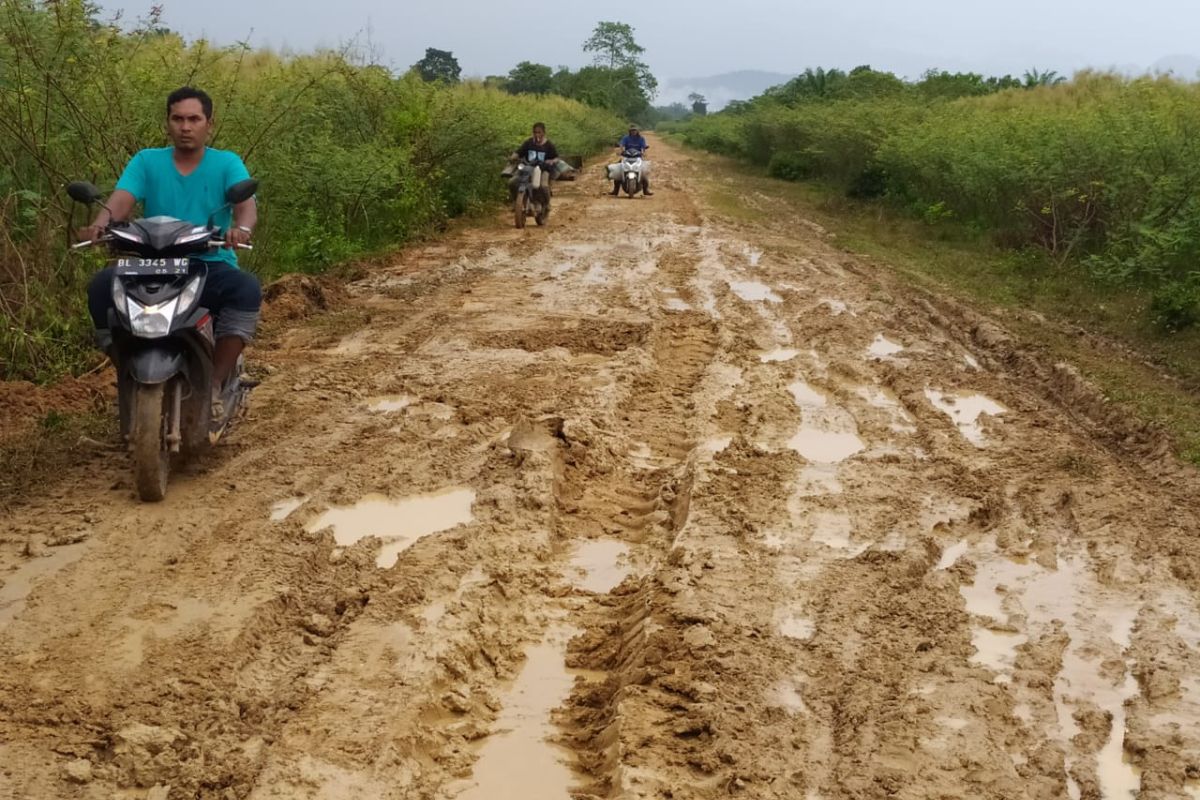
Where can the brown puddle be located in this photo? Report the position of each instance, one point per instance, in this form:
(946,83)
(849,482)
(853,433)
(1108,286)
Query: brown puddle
(883,347)
(17,585)
(753,291)
(284,508)
(398,523)
(600,565)
(390,404)
(1068,595)
(825,447)
(965,409)
(518,761)
(806,396)
(778,354)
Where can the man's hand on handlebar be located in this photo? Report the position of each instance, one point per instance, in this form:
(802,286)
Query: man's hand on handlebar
(236,237)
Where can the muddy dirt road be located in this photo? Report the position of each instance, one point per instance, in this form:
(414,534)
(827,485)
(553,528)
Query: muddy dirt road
(651,504)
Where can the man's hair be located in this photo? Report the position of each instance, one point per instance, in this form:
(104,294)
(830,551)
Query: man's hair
(541,125)
(190,93)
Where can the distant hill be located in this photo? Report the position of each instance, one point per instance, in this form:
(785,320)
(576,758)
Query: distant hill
(721,89)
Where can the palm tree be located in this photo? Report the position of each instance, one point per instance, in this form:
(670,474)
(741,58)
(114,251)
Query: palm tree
(1034,78)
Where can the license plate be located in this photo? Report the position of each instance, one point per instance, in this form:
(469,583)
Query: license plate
(151,266)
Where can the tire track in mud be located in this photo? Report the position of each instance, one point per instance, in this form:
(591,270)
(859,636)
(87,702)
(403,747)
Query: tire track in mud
(732,515)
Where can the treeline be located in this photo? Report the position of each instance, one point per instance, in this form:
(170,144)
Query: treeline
(1101,172)
(352,157)
(617,80)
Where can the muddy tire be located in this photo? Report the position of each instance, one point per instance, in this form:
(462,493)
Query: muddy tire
(151,458)
(519,210)
(631,187)
(197,417)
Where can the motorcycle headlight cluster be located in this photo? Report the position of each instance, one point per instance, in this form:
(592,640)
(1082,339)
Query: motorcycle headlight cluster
(152,321)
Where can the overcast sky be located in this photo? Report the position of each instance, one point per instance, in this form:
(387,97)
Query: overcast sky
(695,38)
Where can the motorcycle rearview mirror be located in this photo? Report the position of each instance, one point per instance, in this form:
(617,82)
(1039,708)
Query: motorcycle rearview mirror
(241,191)
(83,192)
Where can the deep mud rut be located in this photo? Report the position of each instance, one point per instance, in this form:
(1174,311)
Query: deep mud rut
(651,504)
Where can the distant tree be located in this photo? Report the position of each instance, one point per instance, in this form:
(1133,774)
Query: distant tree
(866,82)
(618,90)
(1033,78)
(699,103)
(950,85)
(530,78)
(496,82)
(675,111)
(816,83)
(614,47)
(999,84)
(438,65)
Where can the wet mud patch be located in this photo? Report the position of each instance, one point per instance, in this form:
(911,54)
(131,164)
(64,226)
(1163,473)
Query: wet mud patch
(578,336)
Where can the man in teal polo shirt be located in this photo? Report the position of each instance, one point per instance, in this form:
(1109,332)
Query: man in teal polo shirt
(188,181)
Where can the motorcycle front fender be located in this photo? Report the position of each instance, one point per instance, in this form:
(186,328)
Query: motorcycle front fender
(156,363)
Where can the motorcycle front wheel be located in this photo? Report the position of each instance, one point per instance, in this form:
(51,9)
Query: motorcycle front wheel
(519,209)
(151,455)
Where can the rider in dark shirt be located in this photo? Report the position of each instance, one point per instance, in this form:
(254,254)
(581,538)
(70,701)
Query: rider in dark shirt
(539,150)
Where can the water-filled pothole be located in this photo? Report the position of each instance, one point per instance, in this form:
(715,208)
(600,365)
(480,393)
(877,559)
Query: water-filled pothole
(786,695)
(836,307)
(753,291)
(951,555)
(1099,626)
(997,651)
(397,523)
(390,404)
(806,396)
(675,304)
(794,627)
(518,761)
(965,409)
(883,347)
(825,447)
(284,508)
(17,585)
(778,354)
(716,444)
(832,529)
(600,565)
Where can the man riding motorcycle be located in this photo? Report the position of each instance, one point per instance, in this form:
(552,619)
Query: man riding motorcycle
(633,141)
(536,150)
(187,181)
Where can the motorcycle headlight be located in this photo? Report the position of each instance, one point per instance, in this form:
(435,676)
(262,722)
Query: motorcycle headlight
(152,321)
(196,235)
(189,294)
(120,299)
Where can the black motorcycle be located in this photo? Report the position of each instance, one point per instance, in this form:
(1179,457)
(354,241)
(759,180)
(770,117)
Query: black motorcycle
(533,193)
(163,339)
